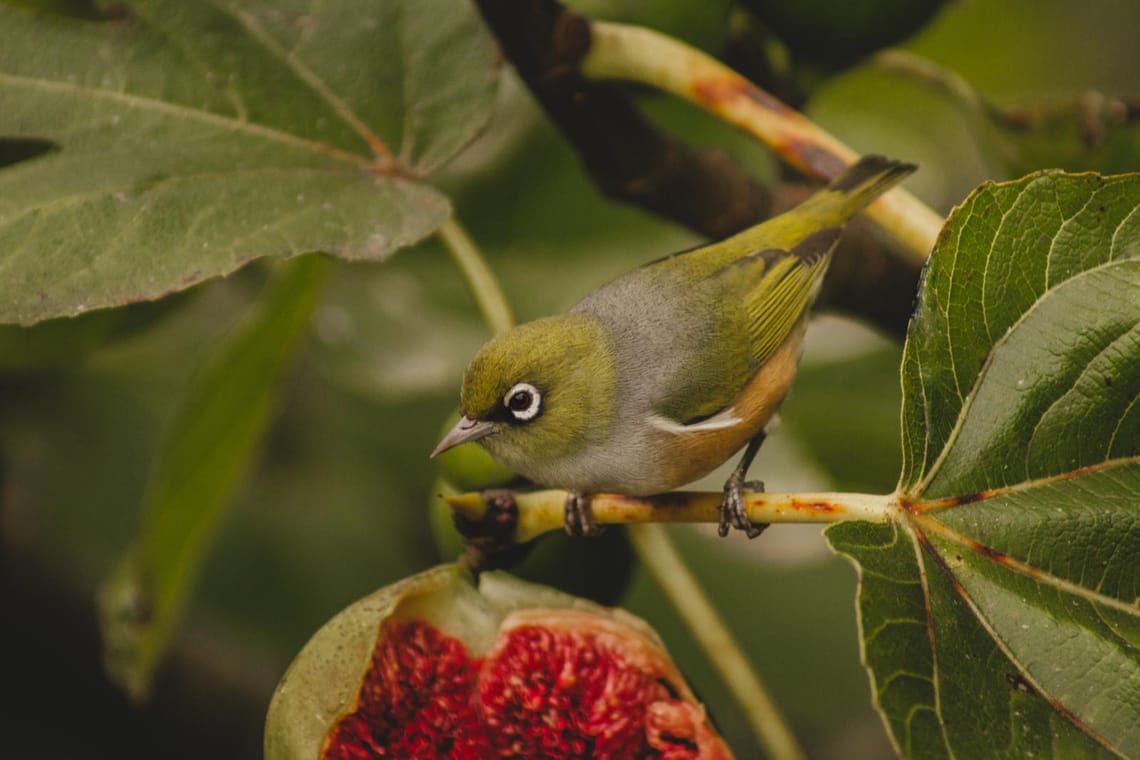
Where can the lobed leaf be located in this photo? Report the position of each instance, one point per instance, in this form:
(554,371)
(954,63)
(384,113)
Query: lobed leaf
(1000,612)
(191,137)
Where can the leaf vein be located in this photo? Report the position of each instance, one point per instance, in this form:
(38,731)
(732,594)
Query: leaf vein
(985,624)
(257,32)
(1061,397)
(1060,229)
(946,311)
(869,637)
(407,137)
(1059,584)
(917,544)
(952,502)
(967,402)
(63,201)
(174,110)
(1120,422)
(176,42)
(985,278)
(1116,232)
(897,674)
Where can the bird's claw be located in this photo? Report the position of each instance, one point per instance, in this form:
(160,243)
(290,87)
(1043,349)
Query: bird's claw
(576,516)
(733,513)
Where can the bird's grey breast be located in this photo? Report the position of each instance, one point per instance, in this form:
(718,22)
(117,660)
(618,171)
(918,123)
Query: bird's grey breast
(657,327)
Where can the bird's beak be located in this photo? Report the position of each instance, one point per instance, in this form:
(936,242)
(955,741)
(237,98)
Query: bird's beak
(465,430)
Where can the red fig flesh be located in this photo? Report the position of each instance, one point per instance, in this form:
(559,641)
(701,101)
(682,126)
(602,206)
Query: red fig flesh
(505,670)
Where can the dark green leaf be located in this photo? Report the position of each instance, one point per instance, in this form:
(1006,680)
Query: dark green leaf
(207,451)
(1001,611)
(194,137)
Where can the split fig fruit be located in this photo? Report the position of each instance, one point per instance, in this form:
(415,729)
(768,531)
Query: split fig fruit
(439,666)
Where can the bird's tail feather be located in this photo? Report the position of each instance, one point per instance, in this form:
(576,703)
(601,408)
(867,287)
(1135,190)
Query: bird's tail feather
(831,206)
(856,187)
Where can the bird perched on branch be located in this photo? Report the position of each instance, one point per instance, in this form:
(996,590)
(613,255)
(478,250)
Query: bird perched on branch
(659,376)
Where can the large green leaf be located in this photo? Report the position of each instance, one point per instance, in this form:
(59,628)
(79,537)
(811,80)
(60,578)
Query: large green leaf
(193,136)
(1001,609)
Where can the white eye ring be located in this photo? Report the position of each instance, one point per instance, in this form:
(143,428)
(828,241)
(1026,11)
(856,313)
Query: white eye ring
(523,401)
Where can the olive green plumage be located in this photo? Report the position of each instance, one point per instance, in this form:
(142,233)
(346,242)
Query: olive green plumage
(658,376)
(567,357)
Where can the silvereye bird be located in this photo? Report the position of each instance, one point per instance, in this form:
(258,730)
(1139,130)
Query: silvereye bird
(659,376)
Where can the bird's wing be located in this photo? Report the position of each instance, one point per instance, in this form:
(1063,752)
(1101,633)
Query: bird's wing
(776,287)
(752,304)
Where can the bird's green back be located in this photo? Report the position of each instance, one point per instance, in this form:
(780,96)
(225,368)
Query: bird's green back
(691,329)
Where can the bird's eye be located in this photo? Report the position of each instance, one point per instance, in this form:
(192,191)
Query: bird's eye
(523,401)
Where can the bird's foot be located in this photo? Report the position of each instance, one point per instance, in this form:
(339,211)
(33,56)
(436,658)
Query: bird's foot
(577,518)
(733,513)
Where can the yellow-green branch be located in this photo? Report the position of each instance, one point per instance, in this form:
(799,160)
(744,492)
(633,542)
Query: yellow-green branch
(542,511)
(618,51)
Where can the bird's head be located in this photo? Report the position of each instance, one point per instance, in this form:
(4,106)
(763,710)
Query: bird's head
(540,391)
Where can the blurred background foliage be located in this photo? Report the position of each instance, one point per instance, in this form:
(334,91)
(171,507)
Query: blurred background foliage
(337,504)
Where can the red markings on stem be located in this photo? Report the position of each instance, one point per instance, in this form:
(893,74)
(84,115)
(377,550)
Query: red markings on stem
(715,92)
(1003,559)
(815,506)
(817,159)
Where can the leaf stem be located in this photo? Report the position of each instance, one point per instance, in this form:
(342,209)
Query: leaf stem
(480,279)
(657,552)
(619,51)
(542,511)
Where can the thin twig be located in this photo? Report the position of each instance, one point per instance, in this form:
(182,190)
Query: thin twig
(669,569)
(480,279)
(542,511)
(1091,117)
